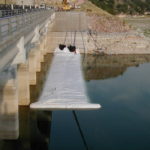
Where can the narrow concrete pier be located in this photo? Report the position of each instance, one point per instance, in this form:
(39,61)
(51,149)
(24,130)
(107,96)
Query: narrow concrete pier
(8,105)
(64,88)
(23,84)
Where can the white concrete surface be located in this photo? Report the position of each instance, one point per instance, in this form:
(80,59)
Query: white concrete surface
(64,88)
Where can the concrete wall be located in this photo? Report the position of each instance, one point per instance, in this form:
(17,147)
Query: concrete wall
(21,59)
(28,27)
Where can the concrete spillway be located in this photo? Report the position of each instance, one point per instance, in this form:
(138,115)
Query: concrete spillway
(64,88)
(70,21)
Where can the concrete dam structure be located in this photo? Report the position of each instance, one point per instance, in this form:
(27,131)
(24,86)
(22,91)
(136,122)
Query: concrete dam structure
(26,42)
(20,59)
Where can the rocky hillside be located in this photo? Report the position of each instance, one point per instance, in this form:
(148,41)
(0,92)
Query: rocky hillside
(96,67)
(124,6)
(101,21)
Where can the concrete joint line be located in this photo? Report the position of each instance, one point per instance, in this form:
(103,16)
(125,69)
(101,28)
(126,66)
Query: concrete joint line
(36,34)
(21,56)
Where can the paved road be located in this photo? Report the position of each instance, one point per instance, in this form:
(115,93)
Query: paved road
(68,28)
(70,21)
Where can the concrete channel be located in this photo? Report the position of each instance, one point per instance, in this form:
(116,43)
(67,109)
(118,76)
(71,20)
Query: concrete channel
(23,73)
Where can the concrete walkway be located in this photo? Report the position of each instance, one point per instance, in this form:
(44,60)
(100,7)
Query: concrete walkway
(64,88)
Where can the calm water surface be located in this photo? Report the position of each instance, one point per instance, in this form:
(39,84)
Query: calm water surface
(120,84)
(122,88)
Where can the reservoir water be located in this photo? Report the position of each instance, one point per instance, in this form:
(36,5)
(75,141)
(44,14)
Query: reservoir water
(119,83)
(121,86)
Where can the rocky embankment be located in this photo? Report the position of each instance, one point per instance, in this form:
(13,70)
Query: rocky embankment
(111,35)
(118,43)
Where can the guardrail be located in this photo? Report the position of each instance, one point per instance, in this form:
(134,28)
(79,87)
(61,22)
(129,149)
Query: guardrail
(20,31)
(11,24)
(7,13)
(13,12)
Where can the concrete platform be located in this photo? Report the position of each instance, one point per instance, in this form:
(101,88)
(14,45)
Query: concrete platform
(70,21)
(64,88)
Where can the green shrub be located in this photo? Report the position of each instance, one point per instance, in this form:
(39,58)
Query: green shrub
(126,6)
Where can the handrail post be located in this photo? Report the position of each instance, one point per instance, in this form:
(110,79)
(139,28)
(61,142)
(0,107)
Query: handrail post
(9,26)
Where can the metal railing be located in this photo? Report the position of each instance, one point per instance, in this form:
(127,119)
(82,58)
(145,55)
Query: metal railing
(9,13)
(25,26)
(20,20)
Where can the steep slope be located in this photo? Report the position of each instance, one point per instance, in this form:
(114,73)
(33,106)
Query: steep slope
(102,21)
(124,6)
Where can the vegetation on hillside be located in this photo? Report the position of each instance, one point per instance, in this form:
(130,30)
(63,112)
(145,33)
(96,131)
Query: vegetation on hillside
(124,6)
(93,9)
(102,21)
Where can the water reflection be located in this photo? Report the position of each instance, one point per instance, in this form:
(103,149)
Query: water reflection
(22,128)
(8,105)
(96,67)
(121,85)
(34,129)
(123,122)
